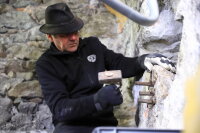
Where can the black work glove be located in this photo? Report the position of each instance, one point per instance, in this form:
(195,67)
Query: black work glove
(107,96)
(147,62)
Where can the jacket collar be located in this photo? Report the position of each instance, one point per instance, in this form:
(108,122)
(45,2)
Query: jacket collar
(54,51)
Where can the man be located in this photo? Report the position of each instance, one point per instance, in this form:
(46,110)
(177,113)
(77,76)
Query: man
(68,74)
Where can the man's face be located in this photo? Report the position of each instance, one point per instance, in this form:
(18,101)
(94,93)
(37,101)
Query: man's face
(65,42)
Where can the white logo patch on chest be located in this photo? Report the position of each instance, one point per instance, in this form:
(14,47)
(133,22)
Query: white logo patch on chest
(91,58)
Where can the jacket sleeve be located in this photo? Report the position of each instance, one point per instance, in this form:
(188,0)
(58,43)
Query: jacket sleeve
(130,66)
(57,98)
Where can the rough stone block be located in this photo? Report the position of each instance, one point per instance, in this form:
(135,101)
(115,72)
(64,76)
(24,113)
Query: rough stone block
(5,108)
(26,89)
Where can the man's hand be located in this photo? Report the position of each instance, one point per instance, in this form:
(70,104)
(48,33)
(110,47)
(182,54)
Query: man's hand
(107,96)
(147,61)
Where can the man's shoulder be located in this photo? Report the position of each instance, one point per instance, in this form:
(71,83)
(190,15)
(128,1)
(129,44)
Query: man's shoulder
(43,57)
(91,39)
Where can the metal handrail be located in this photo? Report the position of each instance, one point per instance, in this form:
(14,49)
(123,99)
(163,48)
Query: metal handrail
(133,14)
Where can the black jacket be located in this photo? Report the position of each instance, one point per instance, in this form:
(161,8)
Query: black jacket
(69,81)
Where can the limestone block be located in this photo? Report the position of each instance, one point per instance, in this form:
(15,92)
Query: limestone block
(19,66)
(35,35)
(174,4)
(17,20)
(22,120)
(163,82)
(2,51)
(3,1)
(94,3)
(152,116)
(187,65)
(41,45)
(24,52)
(2,66)
(5,107)
(6,83)
(43,119)
(166,28)
(3,30)
(164,36)
(125,113)
(37,13)
(27,107)
(25,75)
(12,36)
(103,24)
(26,89)
(28,65)
(5,7)
(4,88)
(24,3)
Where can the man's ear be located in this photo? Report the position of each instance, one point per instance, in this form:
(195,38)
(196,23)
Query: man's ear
(50,38)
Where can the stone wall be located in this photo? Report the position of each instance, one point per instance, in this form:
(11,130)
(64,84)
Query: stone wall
(21,102)
(167,112)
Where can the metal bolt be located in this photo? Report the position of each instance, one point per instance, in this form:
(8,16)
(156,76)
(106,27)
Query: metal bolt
(148,101)
(146,93)
(151,84)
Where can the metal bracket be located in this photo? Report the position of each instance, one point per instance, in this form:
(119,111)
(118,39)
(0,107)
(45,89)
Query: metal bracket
(150,100)
(146,93)
(150,84)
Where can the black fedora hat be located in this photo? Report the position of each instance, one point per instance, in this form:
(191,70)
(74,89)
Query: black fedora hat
(60,20)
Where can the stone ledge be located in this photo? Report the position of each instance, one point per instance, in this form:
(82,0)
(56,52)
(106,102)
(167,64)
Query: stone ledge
(151,115)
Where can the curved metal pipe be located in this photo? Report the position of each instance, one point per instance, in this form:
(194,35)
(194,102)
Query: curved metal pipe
(133,14)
